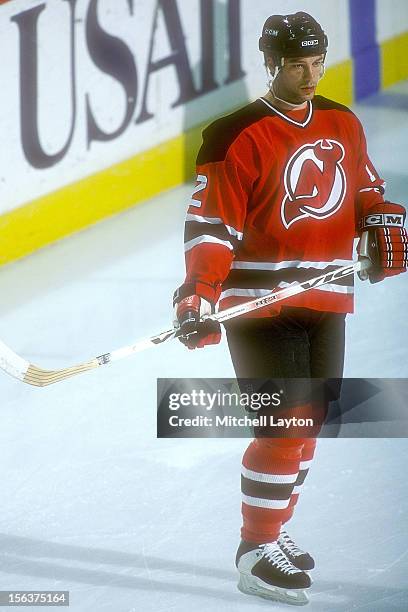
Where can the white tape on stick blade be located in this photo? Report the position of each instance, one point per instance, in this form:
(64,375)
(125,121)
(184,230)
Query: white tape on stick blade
(12,363)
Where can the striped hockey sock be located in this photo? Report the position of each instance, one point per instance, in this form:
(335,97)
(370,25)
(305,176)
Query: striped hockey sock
(270,471)
(305,462)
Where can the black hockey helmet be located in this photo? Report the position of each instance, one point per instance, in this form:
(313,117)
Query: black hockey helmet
(296,35)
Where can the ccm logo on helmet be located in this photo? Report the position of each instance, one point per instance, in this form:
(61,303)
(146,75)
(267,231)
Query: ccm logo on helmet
(271,32)
(310,43)
(384,219)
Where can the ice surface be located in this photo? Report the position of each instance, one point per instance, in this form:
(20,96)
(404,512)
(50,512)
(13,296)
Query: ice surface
(93,503)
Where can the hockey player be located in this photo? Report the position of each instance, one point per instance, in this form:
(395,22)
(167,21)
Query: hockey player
(283,187)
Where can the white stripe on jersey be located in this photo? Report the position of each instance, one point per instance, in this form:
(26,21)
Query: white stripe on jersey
(377,189)
(259,502)
(266,265)
(214,221)
(206,239)
(269,478)
(256,293)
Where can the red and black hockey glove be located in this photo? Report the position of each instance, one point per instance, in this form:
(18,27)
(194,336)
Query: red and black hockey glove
(384,240)
(189,308)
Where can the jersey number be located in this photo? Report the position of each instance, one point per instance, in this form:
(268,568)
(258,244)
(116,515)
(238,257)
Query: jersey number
(202,182)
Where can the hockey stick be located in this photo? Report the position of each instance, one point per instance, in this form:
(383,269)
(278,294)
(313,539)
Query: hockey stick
(31,374)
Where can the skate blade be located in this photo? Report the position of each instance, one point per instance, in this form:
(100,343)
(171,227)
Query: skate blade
(250,585)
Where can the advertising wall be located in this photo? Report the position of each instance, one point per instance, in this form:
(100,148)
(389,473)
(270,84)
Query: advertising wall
(103,101)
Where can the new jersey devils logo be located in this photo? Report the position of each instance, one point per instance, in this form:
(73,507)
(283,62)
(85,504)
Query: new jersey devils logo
(315,182)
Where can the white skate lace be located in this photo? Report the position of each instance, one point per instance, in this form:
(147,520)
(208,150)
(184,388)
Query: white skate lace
(289,544)
(273,553)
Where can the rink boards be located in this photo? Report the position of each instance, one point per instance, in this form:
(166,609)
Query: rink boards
(106,110)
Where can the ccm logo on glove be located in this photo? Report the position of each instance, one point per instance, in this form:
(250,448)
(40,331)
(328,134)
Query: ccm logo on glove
(387,242)
(382,220)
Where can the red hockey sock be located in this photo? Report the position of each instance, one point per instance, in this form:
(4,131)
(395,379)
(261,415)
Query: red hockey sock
(270,469)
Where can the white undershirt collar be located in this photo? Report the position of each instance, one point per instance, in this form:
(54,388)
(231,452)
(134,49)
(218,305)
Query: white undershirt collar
(298,123)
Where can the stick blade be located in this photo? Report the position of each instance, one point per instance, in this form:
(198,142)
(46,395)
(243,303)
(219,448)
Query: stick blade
(42,378)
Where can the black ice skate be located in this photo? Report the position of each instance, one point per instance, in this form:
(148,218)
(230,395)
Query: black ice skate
(267,572)
(300,559)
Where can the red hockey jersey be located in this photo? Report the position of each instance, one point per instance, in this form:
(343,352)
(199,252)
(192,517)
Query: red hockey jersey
(277,200)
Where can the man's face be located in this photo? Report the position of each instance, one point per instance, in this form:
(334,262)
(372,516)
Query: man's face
(298,78)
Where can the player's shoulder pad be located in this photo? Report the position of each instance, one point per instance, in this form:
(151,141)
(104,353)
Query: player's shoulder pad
(222,133)
(322,104)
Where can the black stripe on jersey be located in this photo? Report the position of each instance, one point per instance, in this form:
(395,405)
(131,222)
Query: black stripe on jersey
(266,490)
(194,229)
(268,279)
(220,135)
(321,103)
